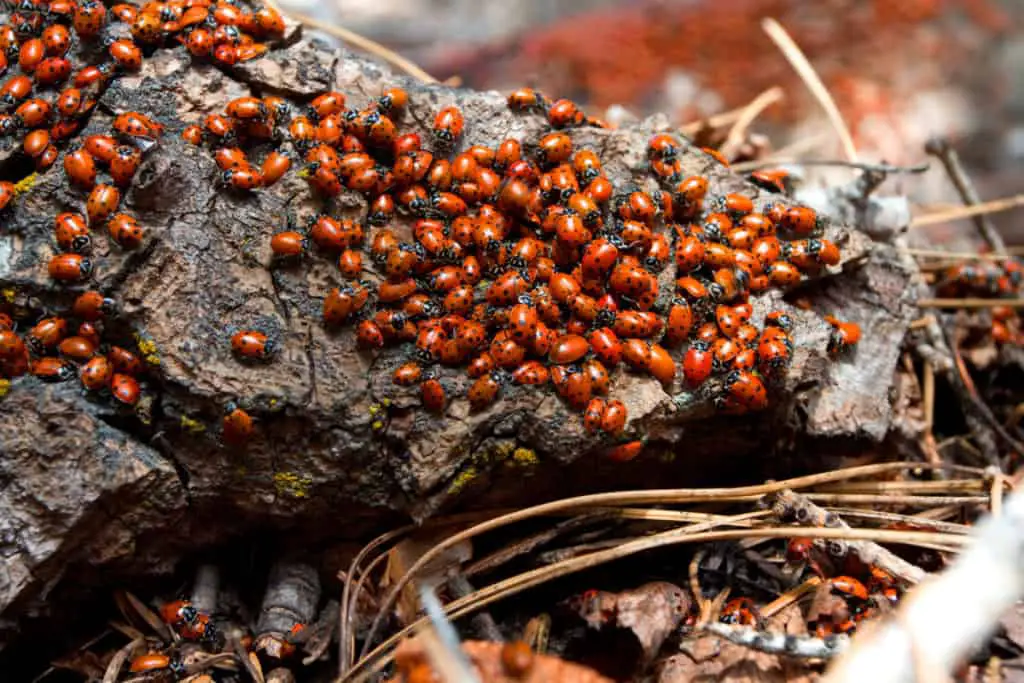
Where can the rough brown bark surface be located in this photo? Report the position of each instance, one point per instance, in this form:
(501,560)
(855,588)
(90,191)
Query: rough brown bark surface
(82,483)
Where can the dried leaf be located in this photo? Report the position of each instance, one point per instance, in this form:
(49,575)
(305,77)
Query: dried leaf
(118,660)
(405,554)
(710,658)
(652,612)
(488,666)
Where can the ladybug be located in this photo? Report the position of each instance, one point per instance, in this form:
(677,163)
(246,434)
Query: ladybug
(124,360)
(33,113)
(125,230)
(350,263)
(253,344)
(432,395)
(69,267)
(125,389)
(288,244)
(236,428)
(660,364)
(698,363)
(69,102)
(740,611)
(592,415)
(275,166)
(91,75)
(268,22)
(779,319)
(728,322)
(11,345)
(800,220)
(369,335)
(126,54)
(80,168)
(845,335)
(103,148)
(554,149)
(193,135)
(849,586)
(71,232)
(246,108)
(575,388)
(30,54)
(155,661)
(199,42)
(680,321)
(243,178)
(91,306)
(692,189)
(341,303)
(613,419)
(407,375)
(485,389)
(532,373)
(124,164)
(772,354)
(51,369)
(448,125)
(393,99)
(564,113)
(525,99)
(625,452)
(89,18)
(134,124)
(102,202)
(230,157)
(747,389)
(568,349)
(46,334)
(14,90)
(96,373)
(783,274)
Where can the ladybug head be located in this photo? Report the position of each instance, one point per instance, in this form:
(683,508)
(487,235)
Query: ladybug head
(230,407)
(85,267)
(81,243)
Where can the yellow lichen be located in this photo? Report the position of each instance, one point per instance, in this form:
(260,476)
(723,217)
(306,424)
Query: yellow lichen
(463,478)
(26,183)
(525,457)
(192,426)
(5,386)
(291,484)
(147,348)
(8,294)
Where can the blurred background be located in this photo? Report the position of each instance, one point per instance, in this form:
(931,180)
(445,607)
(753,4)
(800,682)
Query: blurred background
(900,70)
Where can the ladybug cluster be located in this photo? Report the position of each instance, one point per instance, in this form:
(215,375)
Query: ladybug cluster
(989,280)
(59,348)
(843,600)
(524,265)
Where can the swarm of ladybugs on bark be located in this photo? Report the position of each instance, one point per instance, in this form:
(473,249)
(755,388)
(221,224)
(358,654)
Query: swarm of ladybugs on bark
(44,102)
(526,265)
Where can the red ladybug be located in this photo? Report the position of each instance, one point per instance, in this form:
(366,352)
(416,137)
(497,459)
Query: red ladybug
(592,415)
(613,421)
(845,335)
(243,178)
(660,364)
(532,373)
(125,230)
(56,40)
(96,373)
(69,267)
(369,335)
(697,363)
(80,168)
(92,305)
(89,18)
(125,389)
(680,322)
(71,232)
(554,149)
(625,452)
(747,389)
(126,53)
(448,125)
(433,396)
(485,390)
(236,428)
(253,344)
(525,99)
(102,202)
(124,164)
(344,302)
(801,220)
(563,113)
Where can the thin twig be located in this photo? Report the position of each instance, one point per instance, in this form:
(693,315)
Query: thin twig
(738,132)
(970,302)
(517,584)
(928,395)
(798,60)
(958,255)
(860,165)
(789,597)
(960,212)
(363,43)
(940,147)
